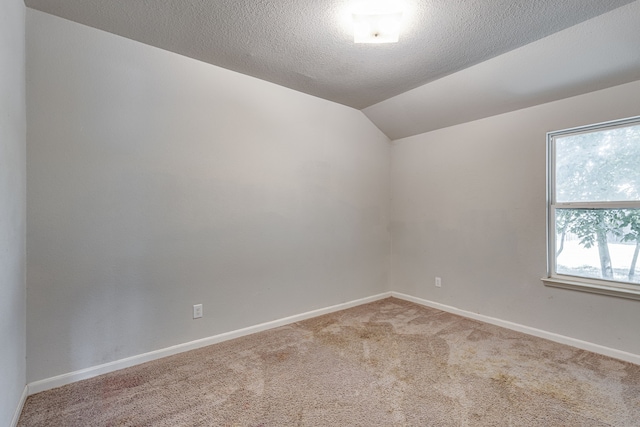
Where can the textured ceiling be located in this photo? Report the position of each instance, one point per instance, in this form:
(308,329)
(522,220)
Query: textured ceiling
(307,45)
(593,55)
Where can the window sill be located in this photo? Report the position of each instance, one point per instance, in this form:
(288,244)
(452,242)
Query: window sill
(592,288)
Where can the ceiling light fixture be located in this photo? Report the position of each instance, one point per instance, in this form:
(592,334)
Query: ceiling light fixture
(376,27)
(376,21)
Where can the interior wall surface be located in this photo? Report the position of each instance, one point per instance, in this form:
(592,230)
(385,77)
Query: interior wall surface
(12,208)
(156,182)
(469,206)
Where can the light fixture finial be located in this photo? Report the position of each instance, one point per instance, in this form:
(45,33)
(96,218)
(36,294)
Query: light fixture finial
(376,28)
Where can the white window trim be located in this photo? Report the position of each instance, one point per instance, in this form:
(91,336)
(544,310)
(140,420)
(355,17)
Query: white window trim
(553,279)
(585,285)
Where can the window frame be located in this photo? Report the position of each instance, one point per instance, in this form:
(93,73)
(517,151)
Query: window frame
(554,279)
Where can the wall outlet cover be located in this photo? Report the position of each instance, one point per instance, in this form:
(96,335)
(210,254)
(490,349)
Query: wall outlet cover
(197,311)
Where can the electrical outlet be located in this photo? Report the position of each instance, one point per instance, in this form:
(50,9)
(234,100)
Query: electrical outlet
(438,282)
(197,311)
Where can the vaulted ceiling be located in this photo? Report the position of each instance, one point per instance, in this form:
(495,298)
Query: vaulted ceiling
(307,45)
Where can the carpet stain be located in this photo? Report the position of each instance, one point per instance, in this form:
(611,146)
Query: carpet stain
(478,335)
(504,379)
(558,393)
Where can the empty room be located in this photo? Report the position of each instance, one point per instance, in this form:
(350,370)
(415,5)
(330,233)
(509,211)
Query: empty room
(319,213)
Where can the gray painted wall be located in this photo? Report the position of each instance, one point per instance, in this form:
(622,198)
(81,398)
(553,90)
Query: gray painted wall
(12,207)
(157,182)
(469,206)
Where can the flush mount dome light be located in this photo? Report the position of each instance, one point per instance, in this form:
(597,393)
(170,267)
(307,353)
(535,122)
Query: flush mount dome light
(376,27)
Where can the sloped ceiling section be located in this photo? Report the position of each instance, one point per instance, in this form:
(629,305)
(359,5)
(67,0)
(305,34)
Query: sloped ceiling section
(307,45)
(599,53)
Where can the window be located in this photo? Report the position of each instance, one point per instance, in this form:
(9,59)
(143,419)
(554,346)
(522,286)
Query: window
(594,208)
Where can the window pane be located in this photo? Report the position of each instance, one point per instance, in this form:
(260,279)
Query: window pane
(601,166)
(598,243)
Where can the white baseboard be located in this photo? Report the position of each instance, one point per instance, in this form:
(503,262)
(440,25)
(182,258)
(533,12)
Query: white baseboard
(16,415)
(584,345)
(60,380)
(64,379)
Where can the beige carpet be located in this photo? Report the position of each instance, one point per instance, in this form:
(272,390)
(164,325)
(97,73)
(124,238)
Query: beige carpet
(389,363)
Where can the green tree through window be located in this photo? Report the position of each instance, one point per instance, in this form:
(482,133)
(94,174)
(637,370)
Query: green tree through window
(594,208)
